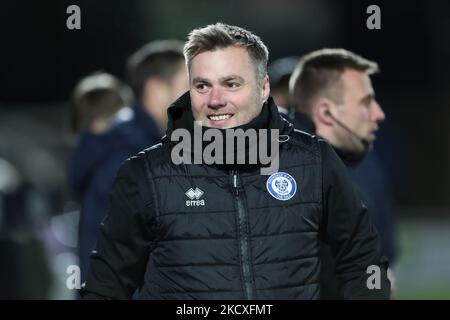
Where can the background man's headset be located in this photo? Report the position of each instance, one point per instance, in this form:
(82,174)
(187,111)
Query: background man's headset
(364,141)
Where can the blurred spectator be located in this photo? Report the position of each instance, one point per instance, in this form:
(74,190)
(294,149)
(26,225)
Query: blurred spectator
(98,104)
(157,74)
(12,191)
(24,270)
(279,72)
(95,102)
(333,97)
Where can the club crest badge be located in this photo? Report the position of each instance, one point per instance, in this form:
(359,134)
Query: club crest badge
(281,186)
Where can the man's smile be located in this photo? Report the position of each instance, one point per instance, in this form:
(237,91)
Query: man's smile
(219,117)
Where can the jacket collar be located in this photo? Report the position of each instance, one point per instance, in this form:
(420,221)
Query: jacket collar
(304,123)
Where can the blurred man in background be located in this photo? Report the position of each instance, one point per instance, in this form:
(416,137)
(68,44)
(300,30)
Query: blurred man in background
(333,97)
(279,72)
(157,75)
(99,102)
(95,102)
(24,270)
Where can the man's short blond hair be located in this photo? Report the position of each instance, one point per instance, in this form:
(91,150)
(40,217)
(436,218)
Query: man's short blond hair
(220,36)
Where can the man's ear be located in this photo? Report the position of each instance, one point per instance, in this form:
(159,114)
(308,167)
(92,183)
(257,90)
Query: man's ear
(321,110)
(265,88)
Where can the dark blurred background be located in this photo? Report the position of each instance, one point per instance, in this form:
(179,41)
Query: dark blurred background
(41,61)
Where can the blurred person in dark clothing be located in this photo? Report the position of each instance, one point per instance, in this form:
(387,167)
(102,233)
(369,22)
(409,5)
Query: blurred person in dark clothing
(279,72)
(333,97)
(157,74)
(99,103)
(95,101)
(24,269)
(13,191)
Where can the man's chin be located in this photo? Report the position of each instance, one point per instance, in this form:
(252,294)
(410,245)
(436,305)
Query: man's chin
(219,126)
(359,147)
(364,148)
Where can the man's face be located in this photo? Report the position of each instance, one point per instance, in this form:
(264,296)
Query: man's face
(359,111)
(160,93)
(179,83)
(223,88)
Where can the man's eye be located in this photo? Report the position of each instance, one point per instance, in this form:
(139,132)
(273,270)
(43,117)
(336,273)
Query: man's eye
(233,85)
(201,86)
(366,103)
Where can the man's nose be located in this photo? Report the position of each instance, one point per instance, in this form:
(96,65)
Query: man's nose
(216,98)
(377,113)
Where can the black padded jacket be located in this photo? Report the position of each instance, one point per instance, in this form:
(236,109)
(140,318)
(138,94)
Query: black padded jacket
(235,240)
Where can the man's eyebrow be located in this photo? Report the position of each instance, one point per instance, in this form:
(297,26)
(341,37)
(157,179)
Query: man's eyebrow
(199,79)
(368,97)
(222,79)
(232,77)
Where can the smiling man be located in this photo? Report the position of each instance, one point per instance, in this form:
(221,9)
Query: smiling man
(224,94)
(225,231)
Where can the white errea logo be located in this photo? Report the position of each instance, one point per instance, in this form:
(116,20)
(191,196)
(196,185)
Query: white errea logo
(194,195)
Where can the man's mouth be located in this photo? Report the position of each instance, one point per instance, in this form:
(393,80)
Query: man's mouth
(372,135)
(219,117)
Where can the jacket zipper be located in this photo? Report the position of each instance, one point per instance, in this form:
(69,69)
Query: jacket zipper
(243,238)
